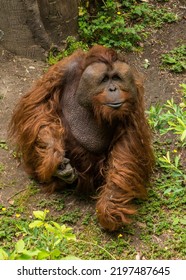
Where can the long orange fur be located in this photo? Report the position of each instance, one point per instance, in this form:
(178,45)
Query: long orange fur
(39,133)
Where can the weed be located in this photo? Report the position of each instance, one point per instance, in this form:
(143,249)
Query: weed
(26,193)
(120,24)
(2,168)
(175,60)
(183,90)
(87,219)
(3,145)
(173,180)
(170,117)
(162,213)
(57,204)
(49,235)
(71,45)
(43,239)
(71,217)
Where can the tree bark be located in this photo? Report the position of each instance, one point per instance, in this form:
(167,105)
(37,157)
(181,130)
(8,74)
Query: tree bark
(30,27)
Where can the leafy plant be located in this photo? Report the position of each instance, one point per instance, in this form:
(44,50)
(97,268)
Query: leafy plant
(166,118)
(44,239)
(170,117)
(2,168)
(120,24)
(176,116)
(71,45)
(183,90)
(49,237)
(175,60)
(3,145)
(155,117)
(178,178)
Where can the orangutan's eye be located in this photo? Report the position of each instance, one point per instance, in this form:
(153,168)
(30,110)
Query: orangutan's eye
(116,78)
(105,79)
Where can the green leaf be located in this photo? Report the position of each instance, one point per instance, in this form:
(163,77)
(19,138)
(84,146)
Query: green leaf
(176,161)
(64,228)
(41,215)
(57,241)
(36,224)
(183,220)
(170,60)
(183,136)
(23,257)
(176,221)
(20,245)
(31,253)
(49,227)
(55,253)
(70,236)
(43,255)
(3,255)
(181,122)
(56,225)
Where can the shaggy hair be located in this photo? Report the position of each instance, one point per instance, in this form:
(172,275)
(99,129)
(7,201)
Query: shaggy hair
(41,134)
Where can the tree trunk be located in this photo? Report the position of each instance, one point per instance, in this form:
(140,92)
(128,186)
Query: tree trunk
(30,27)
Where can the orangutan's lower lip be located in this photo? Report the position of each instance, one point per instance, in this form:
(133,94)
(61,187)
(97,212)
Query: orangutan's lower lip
(114,105)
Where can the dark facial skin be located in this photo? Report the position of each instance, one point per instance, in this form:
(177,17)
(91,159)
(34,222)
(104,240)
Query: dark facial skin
(113,84)
(112,91)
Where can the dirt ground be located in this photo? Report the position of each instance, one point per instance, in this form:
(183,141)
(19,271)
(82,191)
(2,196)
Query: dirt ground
(17,74)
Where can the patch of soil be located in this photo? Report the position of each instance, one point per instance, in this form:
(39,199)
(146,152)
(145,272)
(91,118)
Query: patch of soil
(160,85)
(18,74)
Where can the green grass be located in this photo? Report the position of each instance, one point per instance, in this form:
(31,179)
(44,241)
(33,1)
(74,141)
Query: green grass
(175,60)
(160,220)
